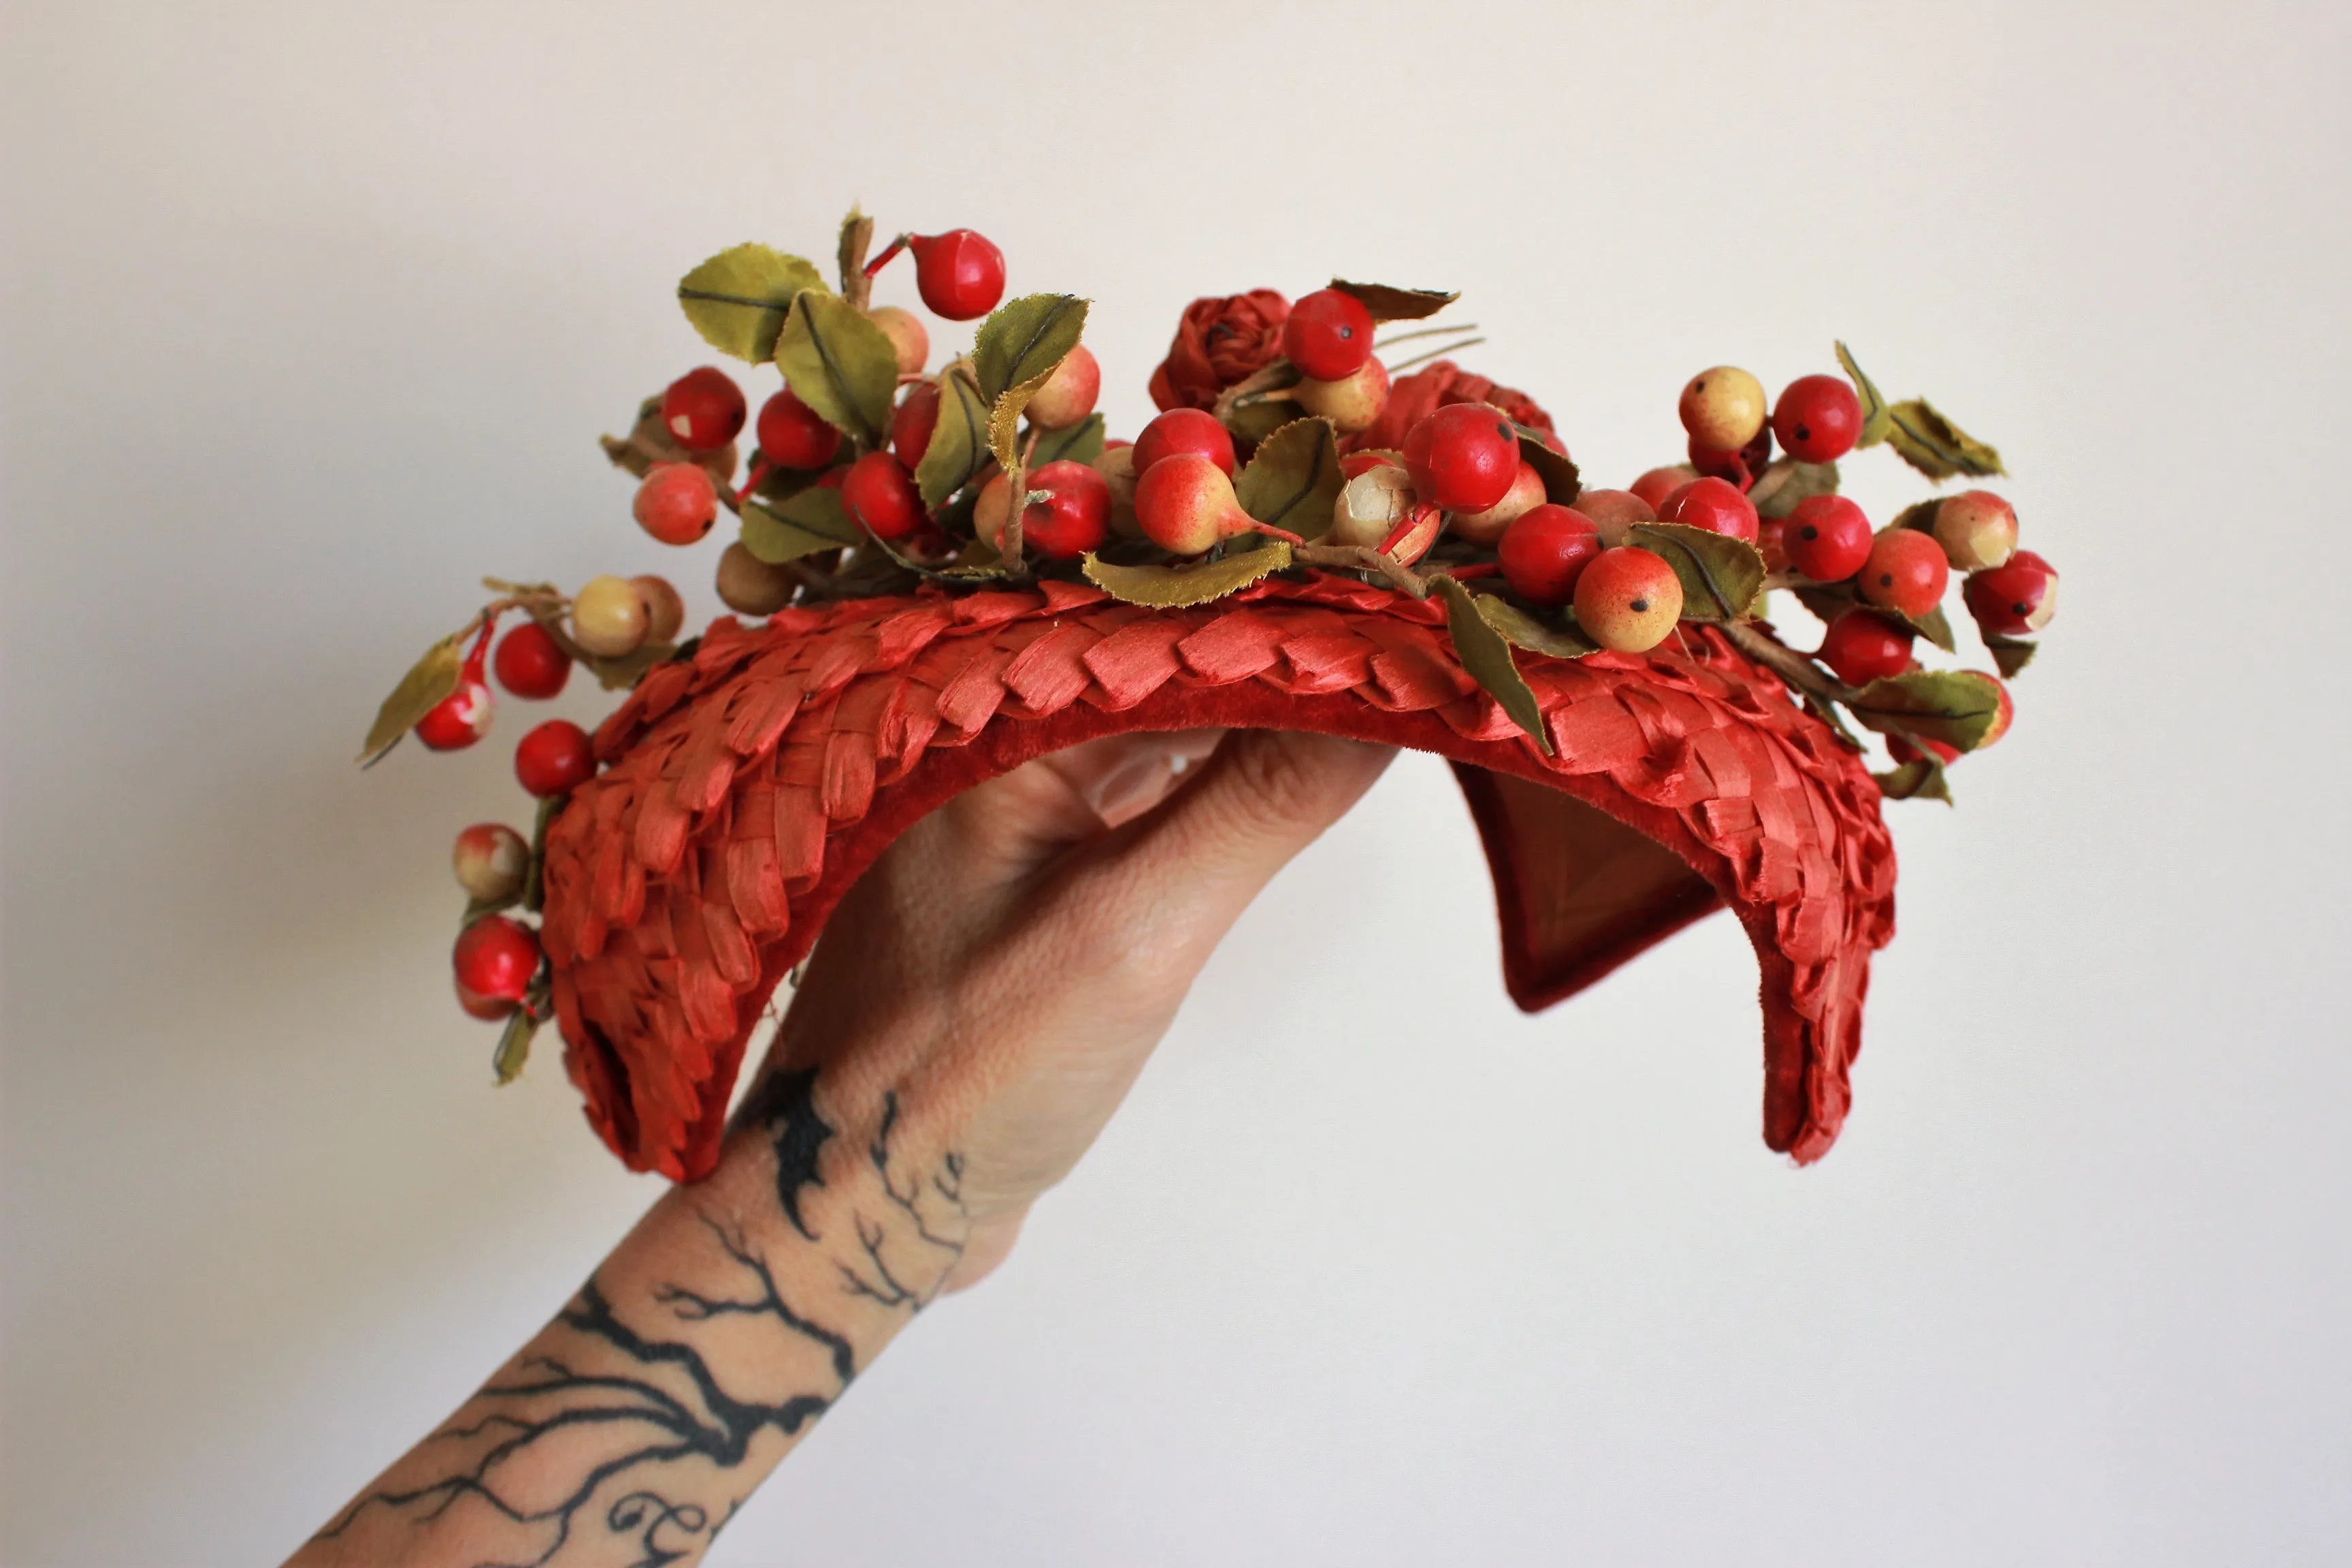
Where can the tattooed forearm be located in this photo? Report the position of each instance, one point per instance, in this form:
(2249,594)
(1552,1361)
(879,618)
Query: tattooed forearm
(630,1430)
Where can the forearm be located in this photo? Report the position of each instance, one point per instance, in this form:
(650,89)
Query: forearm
(702,1350)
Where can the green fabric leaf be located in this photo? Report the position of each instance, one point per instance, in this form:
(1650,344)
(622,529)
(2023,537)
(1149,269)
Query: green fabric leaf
(428,681)
(1521,629)
(2009,655)
(1293,480)
(1954,706)
(513,1047)
(1722,578)
(1787,482)
(1023,339)
(1487,656)
(959,442)
(1921,778)
(737,298)
(1875,416)
(839,363)
(1079,442)
(1934,445)
(1830,600)
(1919,517)
(1174,587)
(810,522)
(1563,482)
(1386,304)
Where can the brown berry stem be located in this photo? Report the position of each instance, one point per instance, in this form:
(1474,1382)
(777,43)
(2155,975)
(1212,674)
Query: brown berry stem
(1423,333)
(1362,558)
(857,234)
(1438,352)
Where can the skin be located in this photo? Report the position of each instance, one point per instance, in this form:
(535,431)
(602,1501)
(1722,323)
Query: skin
(931,1079)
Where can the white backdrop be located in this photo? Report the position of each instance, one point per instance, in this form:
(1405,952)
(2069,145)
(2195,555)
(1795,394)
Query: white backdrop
(312,313)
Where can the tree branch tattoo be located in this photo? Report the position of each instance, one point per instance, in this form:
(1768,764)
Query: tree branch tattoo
(618,1441)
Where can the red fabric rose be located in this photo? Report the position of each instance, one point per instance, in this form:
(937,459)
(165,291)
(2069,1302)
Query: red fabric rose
(1219,343)
(1415,397)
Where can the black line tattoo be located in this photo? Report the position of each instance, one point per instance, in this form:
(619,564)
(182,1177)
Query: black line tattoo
(632,1401)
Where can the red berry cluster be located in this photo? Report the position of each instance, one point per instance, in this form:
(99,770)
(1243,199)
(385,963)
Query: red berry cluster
(1286,443)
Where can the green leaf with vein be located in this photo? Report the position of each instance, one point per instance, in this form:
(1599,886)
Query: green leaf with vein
(737,298)
(1787,482)
(1919,516)
(798,527)
(513,1047)
(1388,304)
(959,441)
(1919,779)
(1562,483)
(1935,628)
(1830,600)
(839,363)
(850,253)
(1875,418)
(1079,442)
(428,680)
(1024,339)
(1174,587)
(1487,656)
(1934,445)
(1521,629)
(1293,480)
(1722,578)
(2009,655)
(623,673)
(1954,706)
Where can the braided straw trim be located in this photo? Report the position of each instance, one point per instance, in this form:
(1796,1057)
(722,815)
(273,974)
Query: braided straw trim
(749,785)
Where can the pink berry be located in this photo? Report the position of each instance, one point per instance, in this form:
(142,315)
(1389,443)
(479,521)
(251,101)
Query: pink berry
(677,502)
(1615,511)
(1185,503)
(1628,599)
(1327,335)
(1183,430)
(702,409)
(1818,418)
(1463,457)
(490,860)
(1977,529)
(1723,408)
(554,758)
(459,720)
(910,341)
(529,665)
(1861,645)
(1525,494)
(1715,505)
(1076,517)
(1069,394)
(1545,551)
(960,274)
(1656,486)
(1827,538)
(1351,403)
(794,435)
(496,958)
(1905,573)
(880,493)
(2014,599)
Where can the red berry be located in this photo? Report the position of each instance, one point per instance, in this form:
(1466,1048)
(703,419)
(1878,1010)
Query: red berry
(1905,573)
(1545,550)
(959,274)
(1354,463)
(1628,599)
(1904,750)
(554,758)
(1827,538)
(1184,430)
(1463,457)
(459,720)
(496,958)
(1656,486)
(2002,715)
(879,492)
(1861,645)
(1327,335)
(2015,599)
(912,422)
(1077,518)
(703,409)
(794,435)
(677,502)
(1977,529)
(529,665)
(1818,418)
(1715,505)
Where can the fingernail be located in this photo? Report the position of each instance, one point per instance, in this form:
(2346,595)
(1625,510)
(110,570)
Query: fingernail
(1133,787)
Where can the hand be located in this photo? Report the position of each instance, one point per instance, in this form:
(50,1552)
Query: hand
(976,1009)
(1008,966)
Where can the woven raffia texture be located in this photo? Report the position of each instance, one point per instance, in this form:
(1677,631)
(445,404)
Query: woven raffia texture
(748,785)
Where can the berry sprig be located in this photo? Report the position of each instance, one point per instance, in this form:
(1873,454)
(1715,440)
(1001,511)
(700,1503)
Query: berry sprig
(1286,443)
